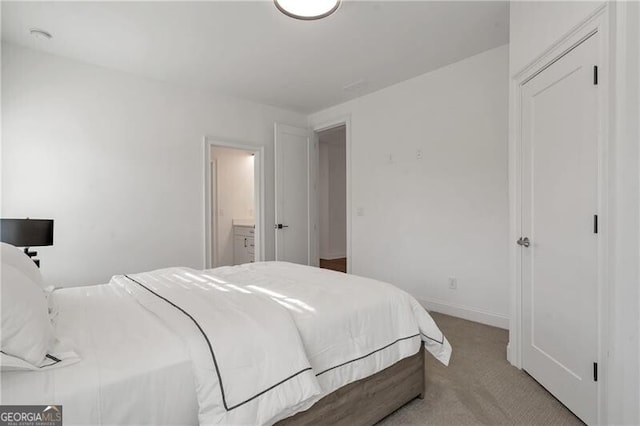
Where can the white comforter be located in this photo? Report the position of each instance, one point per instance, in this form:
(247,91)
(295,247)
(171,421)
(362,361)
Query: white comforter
(135,369)
(248,359)
(269,339)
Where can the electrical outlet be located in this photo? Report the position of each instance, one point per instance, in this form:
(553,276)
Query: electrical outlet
(453,283)
(360,211)
(419,154)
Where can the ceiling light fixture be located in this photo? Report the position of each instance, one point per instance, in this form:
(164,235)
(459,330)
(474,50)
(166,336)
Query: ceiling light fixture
(307,10)
(41,34)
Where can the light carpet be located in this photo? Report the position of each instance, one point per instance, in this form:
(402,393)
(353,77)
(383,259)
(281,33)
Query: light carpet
(480,386)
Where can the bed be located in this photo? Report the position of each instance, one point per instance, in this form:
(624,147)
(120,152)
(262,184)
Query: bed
(261,343)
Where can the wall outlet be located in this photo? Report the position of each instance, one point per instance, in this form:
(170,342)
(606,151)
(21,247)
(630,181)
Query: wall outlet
(453,283)
(419,154)
(360,211)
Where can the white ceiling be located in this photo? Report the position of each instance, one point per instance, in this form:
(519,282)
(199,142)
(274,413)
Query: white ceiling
(250,50)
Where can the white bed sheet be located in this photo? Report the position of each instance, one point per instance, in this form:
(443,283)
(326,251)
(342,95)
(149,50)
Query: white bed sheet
(133,369)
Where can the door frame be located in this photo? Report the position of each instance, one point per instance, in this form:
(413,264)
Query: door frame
(597,22)
(258,174)
(213,218)
(342,120)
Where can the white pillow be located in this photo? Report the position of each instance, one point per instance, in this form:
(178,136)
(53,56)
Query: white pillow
(15,257)
(26,330)
(54,360)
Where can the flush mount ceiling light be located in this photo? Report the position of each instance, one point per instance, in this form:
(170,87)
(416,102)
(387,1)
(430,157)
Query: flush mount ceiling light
(307,9)
(40,34)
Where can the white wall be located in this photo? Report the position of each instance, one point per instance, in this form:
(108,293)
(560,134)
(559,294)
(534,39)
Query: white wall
(535,27)
(117,161)
(446,214)
(235,195)
(333,194)
(323,200)
(337,199)
(623,400)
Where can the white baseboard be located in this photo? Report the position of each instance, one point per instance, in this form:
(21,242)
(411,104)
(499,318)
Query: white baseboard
(466,312)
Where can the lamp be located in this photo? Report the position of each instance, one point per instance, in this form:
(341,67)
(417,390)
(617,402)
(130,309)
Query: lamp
(307,10)
(27,233)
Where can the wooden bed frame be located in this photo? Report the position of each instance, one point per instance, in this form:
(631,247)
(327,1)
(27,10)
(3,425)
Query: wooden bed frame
(368,400)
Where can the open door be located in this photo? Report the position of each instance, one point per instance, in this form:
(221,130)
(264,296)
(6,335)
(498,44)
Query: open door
(292,150)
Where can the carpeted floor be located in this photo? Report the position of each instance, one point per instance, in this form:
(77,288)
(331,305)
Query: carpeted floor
(479,386)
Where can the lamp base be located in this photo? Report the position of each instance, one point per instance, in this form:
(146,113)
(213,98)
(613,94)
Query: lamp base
(31,254)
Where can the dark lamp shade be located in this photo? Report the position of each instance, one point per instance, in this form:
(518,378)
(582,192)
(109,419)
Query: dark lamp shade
(27,232)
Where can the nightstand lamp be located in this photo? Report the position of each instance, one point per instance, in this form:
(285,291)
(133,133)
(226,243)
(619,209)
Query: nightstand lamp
(27,233)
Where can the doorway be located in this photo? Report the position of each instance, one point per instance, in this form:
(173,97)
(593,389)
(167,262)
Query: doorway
(332,198)
(233,194)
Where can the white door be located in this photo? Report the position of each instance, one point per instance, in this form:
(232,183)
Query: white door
(560,127)
(292,194)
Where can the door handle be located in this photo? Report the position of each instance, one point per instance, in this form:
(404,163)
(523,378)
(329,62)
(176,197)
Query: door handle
(524,242)
(280,226)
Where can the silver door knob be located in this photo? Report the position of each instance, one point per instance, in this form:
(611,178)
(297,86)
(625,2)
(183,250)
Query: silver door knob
(524,242)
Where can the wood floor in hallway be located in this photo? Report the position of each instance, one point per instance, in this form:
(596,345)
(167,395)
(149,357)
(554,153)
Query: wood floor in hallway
(339,264)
